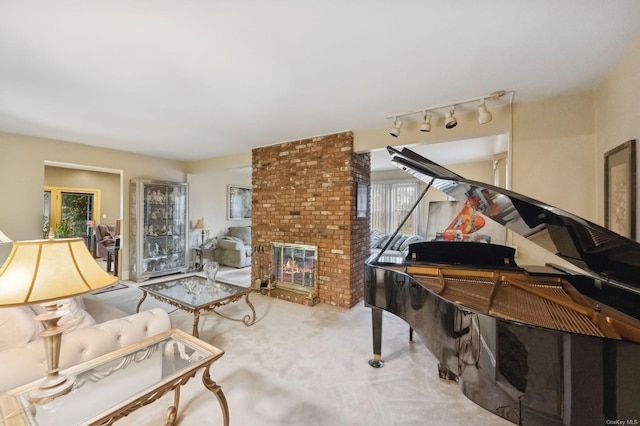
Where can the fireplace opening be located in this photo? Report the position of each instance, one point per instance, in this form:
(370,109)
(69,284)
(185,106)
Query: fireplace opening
(294,268)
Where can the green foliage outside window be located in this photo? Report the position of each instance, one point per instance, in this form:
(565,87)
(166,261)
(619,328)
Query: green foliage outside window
(65,230)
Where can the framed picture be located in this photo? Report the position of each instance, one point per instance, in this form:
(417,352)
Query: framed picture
(362,201)
(620,189)
(239,202)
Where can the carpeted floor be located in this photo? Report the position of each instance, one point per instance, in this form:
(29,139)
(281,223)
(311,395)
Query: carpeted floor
(241,277)
(300,365)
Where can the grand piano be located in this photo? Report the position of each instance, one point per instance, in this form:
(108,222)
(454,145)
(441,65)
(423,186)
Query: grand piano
(552,344)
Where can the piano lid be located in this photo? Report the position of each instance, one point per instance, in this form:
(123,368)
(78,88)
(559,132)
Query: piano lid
(592,248)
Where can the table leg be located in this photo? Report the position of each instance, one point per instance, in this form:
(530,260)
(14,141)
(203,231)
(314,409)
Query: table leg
(196,319)
(172,412)
(249,320)
(210,384)
(246,320)
(144,296)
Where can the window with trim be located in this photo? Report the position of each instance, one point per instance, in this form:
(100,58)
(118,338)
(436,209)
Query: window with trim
(391,203)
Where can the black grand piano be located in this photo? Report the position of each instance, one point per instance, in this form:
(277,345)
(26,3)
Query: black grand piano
(537,345)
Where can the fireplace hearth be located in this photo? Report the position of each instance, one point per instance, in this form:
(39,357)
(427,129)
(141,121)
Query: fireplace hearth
(294,268)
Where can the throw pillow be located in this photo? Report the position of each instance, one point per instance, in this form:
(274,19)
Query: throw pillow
(375,237)
(383,241)
(397,241)
(410,240)
(18,326)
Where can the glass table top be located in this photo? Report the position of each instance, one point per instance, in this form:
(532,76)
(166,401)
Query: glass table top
(195,291)
(112,380)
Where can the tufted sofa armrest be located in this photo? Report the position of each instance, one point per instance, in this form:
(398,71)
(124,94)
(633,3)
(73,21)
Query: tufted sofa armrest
(24,363)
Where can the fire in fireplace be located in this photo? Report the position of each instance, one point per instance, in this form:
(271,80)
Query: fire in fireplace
(294,267)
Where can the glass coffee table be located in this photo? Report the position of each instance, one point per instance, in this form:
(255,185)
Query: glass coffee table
(114,385)
(193,294)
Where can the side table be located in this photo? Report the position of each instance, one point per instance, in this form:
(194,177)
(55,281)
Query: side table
(114,385)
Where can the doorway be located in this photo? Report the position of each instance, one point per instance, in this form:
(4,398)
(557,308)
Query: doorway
(70,212)
(95,193)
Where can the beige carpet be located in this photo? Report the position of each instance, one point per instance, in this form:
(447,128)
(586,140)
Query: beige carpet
(300,365)
(241,277)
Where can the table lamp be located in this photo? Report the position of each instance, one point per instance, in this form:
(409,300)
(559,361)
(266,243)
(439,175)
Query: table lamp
(45,271)
(202,225)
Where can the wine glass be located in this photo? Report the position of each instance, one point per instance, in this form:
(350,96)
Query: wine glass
(211,269)
(189,285)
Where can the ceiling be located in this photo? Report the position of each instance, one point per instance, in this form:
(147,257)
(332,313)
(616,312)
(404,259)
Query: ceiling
(197,79)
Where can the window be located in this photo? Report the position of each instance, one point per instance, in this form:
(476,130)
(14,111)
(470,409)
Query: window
(391,203)
(67,210)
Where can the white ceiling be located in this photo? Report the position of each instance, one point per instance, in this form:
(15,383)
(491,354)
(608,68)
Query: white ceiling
(202,78)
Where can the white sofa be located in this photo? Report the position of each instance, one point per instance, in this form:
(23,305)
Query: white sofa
(93,328)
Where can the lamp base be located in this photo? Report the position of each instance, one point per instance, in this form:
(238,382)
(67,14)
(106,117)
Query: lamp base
(54,384)
(44,394)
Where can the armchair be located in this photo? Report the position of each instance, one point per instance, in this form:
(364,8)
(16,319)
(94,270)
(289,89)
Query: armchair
(104,239)
(234,248)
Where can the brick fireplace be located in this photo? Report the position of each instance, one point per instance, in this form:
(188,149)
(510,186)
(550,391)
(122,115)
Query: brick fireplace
(304,192)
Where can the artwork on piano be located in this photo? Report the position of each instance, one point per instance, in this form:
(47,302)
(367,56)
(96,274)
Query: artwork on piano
(456,221)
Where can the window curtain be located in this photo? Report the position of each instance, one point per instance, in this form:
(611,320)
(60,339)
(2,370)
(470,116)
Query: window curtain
(391,203)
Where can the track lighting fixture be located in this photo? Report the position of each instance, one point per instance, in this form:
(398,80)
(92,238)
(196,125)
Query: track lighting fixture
(450,120)
(484,116)
(426,122)
(397,125)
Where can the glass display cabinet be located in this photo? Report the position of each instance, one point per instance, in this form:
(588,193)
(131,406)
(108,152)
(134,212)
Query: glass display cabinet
(158,232)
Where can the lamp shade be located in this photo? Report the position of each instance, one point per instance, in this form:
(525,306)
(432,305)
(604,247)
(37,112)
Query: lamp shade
(45,270)
(201,224)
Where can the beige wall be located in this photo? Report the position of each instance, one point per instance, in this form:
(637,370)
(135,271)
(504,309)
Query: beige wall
(554,152)
(22,177)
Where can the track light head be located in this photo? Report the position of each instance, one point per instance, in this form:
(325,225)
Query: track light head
(426,122)
(484,116)
(397,125)
(450,120)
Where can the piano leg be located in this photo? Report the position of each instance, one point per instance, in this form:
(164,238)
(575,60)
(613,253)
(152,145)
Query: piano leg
(376,325)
